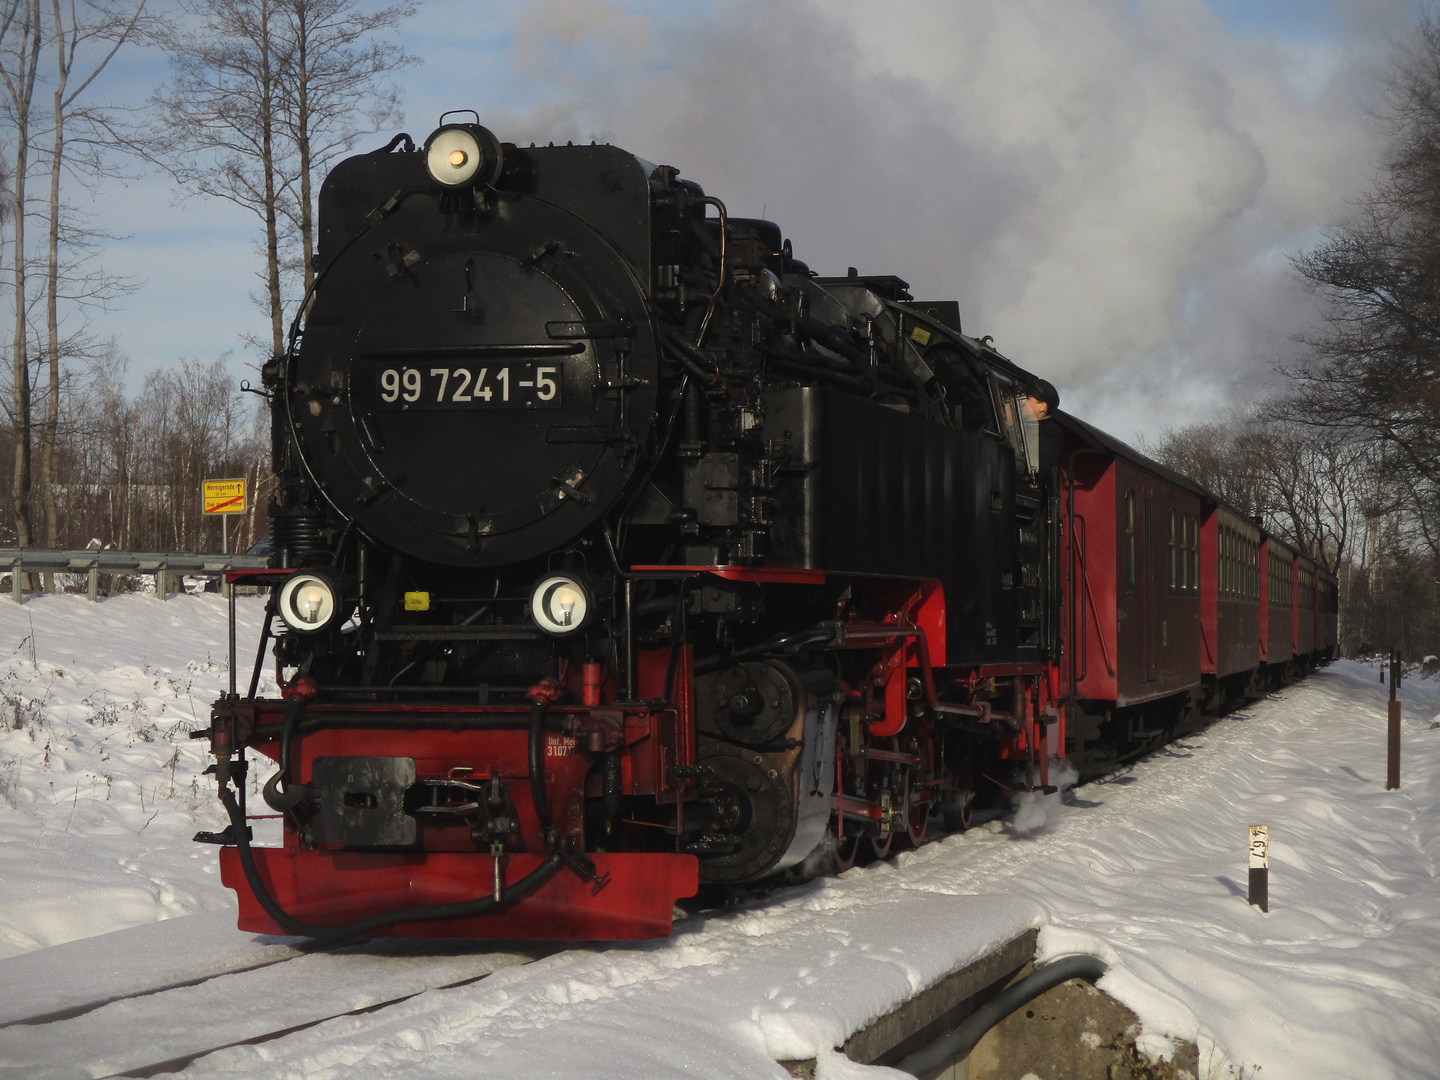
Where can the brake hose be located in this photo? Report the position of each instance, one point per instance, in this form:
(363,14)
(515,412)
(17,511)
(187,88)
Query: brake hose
(282,792)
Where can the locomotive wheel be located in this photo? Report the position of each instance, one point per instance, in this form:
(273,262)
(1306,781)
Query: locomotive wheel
(763,813)
(956,805)
(917,812)
(880,845)
(917,822)
(847,850)
(899,777)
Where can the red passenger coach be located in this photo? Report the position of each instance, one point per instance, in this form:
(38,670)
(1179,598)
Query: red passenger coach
(1231,557)
(1134,596)
(1174,602)
(1277,603)
(1304,606)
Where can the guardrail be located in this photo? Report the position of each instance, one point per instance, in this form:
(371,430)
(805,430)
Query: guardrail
(18,561)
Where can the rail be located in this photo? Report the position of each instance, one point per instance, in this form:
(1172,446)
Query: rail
(18,561)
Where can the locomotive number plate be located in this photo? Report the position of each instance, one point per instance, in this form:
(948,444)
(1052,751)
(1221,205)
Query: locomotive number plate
(521,385)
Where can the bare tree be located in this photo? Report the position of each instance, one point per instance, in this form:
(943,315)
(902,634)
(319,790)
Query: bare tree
(1215,456)
(1311,486)
(218,126)
(20,38)
(264,93)
(1320,486)
(131,468)
(1375,370)
(334,90)
(74,30)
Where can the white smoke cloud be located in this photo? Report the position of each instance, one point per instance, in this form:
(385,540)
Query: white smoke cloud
(1110,189)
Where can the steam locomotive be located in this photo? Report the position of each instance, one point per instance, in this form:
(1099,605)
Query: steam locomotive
(618,553)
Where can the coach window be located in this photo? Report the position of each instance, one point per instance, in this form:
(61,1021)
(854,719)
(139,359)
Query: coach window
(1227,573)
(1184,554)
(1172,552)
(1130,540)
(1220,560)
(1194,554)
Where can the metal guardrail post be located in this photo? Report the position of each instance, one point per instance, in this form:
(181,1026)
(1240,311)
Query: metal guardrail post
(17,582)
(91,566)
(162,584)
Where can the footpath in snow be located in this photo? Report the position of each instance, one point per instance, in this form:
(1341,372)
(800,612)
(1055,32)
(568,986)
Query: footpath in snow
(1146,869)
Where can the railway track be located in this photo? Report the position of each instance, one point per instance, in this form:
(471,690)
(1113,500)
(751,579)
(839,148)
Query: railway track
(156,1030)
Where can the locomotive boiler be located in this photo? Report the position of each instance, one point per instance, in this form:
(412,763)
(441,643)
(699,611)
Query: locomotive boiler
(618,553)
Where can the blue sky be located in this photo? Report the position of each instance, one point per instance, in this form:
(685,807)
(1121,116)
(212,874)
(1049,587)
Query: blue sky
(1105,186)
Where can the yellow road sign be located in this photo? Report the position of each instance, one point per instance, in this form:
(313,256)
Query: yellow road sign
(223,496)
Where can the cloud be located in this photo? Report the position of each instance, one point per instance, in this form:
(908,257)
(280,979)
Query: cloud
(550,35)
(1111,189)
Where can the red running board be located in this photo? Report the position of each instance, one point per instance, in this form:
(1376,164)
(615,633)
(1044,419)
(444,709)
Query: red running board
(632,896)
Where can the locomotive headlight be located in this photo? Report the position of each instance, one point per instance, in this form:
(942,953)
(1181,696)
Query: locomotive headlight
(458,155)
(560,604)
(308,603)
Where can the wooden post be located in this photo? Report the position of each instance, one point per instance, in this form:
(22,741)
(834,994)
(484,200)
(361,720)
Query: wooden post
(1392,754)
(1260,866)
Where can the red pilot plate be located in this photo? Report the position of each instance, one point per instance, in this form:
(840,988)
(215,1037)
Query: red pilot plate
(632,895)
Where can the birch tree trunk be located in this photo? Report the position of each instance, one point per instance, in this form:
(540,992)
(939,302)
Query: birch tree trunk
(19,73)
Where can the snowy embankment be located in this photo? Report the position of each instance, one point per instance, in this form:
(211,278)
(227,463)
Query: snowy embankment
(100,785)
(1147,869)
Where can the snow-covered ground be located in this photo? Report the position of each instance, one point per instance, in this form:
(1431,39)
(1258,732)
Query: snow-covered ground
(100,785)
(99,798)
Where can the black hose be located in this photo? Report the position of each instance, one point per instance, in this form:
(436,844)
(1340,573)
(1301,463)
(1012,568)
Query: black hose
(559,849)
(282,792)
(287,736)
(360,927)
(779,644)
(930,1060)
